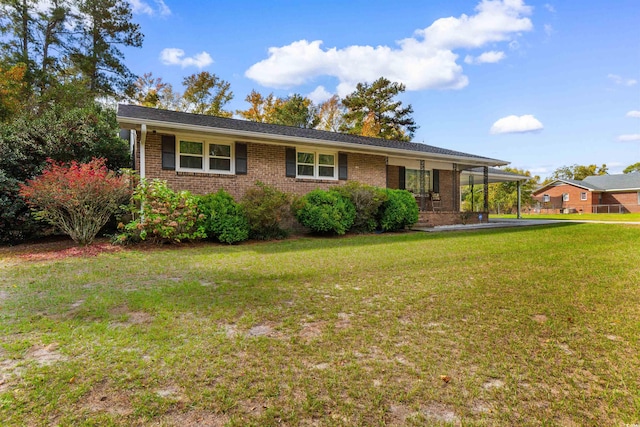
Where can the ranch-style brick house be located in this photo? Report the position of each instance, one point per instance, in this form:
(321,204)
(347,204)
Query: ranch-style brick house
(203,154)
(618,193)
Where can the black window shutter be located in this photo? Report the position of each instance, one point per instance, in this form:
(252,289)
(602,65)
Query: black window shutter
(401,178)
(241,158)
(436,181)
(343,169)
(291,162)
(169,152)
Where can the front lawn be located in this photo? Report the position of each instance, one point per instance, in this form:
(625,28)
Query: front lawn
(527,326)
(628,217)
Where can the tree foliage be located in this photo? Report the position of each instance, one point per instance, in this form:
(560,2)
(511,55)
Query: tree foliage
(206,93)
(632,168)
(372,111)
(60,41)
(295,110)
(578,172)
(503,196)
(330,115)
(261,108)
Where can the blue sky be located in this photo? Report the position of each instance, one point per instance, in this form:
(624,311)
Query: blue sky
(540,84)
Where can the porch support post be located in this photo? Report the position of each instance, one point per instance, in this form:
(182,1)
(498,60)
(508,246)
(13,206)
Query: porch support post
(423,194)
(485,171)
(455,188)
(519,197)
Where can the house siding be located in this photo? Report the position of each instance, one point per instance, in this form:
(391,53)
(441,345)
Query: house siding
(265,163)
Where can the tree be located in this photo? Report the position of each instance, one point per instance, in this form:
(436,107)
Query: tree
(632,168)
(371,110)
(148,91)
(104,25)
(503,196)
(296,111)
(261,109)
(206,93)
(331,115)
(12,86)
(578,172)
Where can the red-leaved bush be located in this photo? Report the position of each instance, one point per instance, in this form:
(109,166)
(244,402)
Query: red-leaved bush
(78,198)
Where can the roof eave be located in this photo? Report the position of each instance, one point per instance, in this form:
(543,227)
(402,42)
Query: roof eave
(471,161)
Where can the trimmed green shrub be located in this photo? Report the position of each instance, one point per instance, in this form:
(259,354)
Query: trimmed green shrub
(325,212)
(399,211)
(367,200)
(159,214)
(266,209)
(223,218)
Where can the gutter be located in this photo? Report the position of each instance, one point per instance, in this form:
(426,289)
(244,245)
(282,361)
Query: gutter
(297,140)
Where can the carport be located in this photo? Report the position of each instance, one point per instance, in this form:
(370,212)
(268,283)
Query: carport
(485,176)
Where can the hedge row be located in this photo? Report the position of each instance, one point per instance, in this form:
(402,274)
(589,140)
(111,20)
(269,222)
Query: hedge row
(159,214)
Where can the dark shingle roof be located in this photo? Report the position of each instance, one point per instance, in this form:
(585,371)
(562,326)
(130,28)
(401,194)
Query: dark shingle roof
(625,181)
(199,120)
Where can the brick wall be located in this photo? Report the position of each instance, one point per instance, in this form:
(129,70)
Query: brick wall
(433,219)
(629,199)
(265,163)
(556,205)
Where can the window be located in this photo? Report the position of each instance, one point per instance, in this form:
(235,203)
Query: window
(316,165)
(191,154)
(412,180)
(639,197)
(565,197)
(220,157)
(205,157)
(546,198)
(583,195)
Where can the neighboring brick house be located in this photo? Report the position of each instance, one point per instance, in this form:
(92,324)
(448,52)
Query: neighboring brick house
(203,154)
(594,194)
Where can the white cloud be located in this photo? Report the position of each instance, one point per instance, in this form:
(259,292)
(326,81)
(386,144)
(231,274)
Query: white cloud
(175,56)
(516,124)
(424,61)
(621,80)
(490,57)
(634,114)
(631,137)
(144,8)
(319,95)
(550,8)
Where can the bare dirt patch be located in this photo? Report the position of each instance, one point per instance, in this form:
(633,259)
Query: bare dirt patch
(131,317)
(493,383)
(45,355)
(312,330)
(195,418)
(539,318)
(440,412)
(101,398)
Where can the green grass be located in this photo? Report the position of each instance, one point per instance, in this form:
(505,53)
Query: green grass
(633,217)
(532,326)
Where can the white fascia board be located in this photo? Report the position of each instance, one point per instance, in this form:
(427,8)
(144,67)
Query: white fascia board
(292,140)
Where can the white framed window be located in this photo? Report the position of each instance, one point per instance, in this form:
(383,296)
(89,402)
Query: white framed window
(639,197)
(412,180)
(583,196)
(205,156)
(546,198)
(565,197)
(311,164)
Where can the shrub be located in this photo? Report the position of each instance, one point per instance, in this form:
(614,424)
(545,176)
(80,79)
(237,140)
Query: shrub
(266,209)
(223,219)
(78,198)
(160,214)
(16,221)
(325,212)
(367,201)
(399,211)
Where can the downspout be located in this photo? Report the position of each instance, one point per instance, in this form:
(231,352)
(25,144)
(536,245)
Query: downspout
(143,140)
(133,136)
